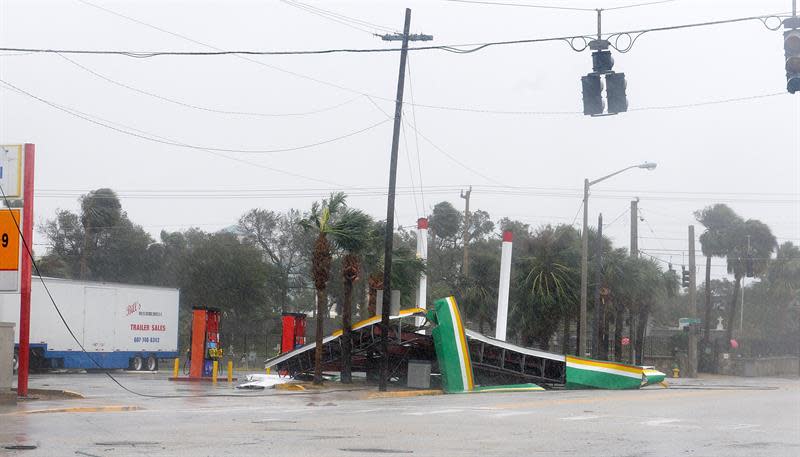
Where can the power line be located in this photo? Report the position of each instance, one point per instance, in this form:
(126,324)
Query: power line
(551,7)
(337,17)
(130,131)
(245,58)
(523,5)
(416,135)
(454,48)
(442,151)
(155,139)
(617,218)
(203,108)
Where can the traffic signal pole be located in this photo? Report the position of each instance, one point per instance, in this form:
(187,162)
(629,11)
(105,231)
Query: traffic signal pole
(693,328)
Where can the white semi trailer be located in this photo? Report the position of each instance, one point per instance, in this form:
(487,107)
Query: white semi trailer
(118,325)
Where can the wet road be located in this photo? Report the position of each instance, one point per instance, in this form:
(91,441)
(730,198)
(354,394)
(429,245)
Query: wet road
(708,417)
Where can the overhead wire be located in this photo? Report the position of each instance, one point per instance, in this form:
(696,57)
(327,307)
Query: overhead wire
(204,108)
(131,131)
(440,107)
(416,135)
(454,48)
(522,5)
(442,151)
(28,252)
(242,57)
(155,139)
(338,17)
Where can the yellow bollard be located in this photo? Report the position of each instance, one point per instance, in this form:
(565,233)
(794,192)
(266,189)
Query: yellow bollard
(676,373)
(214,368)
(230,371)
(175,367)
(269,370)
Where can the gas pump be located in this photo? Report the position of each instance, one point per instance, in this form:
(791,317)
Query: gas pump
(205,348)
(294,331)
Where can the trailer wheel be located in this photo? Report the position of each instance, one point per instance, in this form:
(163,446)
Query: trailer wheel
(137,363)
(152,364)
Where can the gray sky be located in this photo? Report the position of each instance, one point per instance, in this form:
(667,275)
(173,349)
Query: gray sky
(746,153)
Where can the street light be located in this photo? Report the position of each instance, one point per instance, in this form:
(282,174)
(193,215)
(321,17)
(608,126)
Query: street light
(585,249)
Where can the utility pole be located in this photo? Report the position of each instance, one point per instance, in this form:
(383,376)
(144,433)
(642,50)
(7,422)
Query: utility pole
(634,228)
(465,264)
(584,271)
(598,265)
(388,242)
(693,328)
(635,254)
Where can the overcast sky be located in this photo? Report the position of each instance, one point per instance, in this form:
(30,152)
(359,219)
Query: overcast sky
(744,153)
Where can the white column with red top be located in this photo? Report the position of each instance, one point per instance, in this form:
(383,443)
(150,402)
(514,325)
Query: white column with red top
(505,284)
(422,253)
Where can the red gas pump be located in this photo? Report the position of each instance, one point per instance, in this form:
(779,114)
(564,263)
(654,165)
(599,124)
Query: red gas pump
(205,348)
(294,331)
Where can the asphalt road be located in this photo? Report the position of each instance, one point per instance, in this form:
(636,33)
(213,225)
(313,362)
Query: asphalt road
(706,417)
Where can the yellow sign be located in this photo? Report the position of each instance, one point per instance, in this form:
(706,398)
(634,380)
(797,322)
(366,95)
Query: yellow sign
(9,239)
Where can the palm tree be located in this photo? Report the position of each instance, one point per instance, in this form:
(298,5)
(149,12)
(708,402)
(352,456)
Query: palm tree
(549,282)
(406,267)
(719,221)
(752,245)
(353,235)
(322,221)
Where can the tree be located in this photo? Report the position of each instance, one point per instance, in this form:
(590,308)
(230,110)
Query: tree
(720,222)
(285,245)
(548,283)
(100,211)
(221,271)
(751,246)
(353,236)
(326,218)
(445,225)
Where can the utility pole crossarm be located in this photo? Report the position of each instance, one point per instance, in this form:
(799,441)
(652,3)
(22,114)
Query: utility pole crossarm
(411,37)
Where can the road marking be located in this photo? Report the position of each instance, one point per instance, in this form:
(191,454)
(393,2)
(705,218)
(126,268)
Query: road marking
(622,396)
(86,409)
(579,418)
(661,421)
(437,411)
(403,394)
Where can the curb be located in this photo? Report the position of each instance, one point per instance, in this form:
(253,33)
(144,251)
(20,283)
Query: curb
(86,409)
(404,394)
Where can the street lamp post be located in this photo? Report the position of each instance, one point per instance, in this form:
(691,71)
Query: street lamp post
(585,251)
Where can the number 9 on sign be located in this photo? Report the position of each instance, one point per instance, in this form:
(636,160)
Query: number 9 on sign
(9,239)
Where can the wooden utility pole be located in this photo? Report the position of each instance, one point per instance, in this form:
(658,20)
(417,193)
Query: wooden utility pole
(388,241)
(465,264)
(693,328)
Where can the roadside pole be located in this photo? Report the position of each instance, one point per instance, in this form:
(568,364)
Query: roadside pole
(634,252)
(387,251)
(598,275)
(693,328)
(25,272)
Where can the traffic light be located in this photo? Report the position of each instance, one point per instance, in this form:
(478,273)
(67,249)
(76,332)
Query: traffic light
(748,264)
(615,92)
(592,94)
(791,49)
(602,62)
(684,277)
